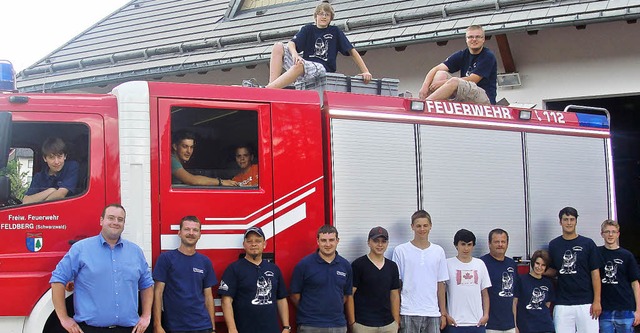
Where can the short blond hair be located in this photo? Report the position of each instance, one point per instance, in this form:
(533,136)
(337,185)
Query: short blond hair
(609,222)
(324,6)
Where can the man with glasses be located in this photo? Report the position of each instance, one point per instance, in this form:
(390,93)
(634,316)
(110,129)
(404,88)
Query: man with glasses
(620,288)
(375,304)
(478,73)
(108,274)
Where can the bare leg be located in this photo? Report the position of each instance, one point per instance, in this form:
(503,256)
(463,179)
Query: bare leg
(447,90)
(288,77)
(275,63)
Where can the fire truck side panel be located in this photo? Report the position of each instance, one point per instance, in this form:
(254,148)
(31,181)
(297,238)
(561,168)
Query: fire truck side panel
(567,171)
(298,181)
(375,181)
(473,179)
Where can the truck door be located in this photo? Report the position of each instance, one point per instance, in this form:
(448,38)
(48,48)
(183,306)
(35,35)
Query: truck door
(221,135)
(36,235)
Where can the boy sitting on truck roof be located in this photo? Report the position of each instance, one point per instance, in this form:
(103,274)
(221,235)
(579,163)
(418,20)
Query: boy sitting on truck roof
(319,44)
(57,179)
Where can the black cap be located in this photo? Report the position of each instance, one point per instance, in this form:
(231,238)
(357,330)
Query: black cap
(378,232)
(257,230)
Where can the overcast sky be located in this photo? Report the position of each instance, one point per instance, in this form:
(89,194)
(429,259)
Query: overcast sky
(31,29)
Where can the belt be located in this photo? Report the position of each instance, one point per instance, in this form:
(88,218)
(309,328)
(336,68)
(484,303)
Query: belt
(108,329)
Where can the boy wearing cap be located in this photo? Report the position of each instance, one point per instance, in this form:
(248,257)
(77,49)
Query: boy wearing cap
(423,272)
(375,304)
(253,290)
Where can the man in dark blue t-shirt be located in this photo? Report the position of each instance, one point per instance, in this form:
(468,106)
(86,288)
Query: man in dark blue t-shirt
(57,179)
(577,261)
(375,304)
(320,44)
(320,285)
(478,73)
(620,288)
(253,290)
(503,274)
(183,282)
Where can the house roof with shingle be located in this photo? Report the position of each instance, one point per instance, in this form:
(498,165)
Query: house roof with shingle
(151,38)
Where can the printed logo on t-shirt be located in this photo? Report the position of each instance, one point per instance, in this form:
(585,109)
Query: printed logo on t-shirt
(466,276)
(610,271)
(507,283)
(537,297)
(322,47)
(341,273)
(198,270)
(569,260)
(263,290)
(223,286)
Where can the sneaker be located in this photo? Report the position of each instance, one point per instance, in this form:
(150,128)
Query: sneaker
(251,83)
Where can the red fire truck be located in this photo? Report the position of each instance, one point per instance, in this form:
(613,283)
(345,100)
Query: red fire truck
(354,161)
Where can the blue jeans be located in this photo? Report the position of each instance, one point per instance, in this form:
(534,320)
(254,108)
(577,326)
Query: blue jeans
(616,322)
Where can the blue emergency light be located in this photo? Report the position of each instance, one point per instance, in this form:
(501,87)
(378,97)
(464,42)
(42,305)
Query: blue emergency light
(7,76)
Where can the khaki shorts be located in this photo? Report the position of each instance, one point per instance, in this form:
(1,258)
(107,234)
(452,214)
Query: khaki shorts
(469,92)
(312,70)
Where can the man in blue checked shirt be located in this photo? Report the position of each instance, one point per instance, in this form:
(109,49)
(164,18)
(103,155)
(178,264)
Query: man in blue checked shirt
(108,272)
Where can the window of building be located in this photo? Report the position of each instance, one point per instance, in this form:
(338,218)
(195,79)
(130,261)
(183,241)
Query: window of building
(238,7)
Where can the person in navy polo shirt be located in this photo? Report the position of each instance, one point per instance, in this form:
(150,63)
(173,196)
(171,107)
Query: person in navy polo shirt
(184,279)
(577,262)
(253,290)
(57,179)
(503,274)
(320,285)
(534,294)
(620,289)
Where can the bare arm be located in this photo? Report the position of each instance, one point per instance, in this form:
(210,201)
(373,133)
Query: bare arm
(442,303)
(364,71)
(40,196)
(158,291)
(485,308)
(350,309)
(596,307)
(283,311)
(395,305)
(199,180)
(227,311)
(57,297)
(295,299)
(515,313)
(636,294)
(210,305)
(428,85)
(146,295)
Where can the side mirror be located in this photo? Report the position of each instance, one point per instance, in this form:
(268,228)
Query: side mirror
(5,189)
(5,138)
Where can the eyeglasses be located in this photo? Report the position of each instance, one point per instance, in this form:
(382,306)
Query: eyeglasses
(324,14)
(475,37)
(609,232)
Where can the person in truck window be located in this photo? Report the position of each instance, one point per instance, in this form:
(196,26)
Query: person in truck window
(248,175)
(182,148)
(478,73)
(58,178)
(319,43)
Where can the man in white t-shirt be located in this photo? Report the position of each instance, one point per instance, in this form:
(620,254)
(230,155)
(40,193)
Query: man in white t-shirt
(423,272)
(467,288)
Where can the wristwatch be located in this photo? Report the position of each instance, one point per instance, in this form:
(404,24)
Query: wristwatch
(286,327)
(219,181)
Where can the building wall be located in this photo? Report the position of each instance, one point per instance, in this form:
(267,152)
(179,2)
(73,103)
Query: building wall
(561,63)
